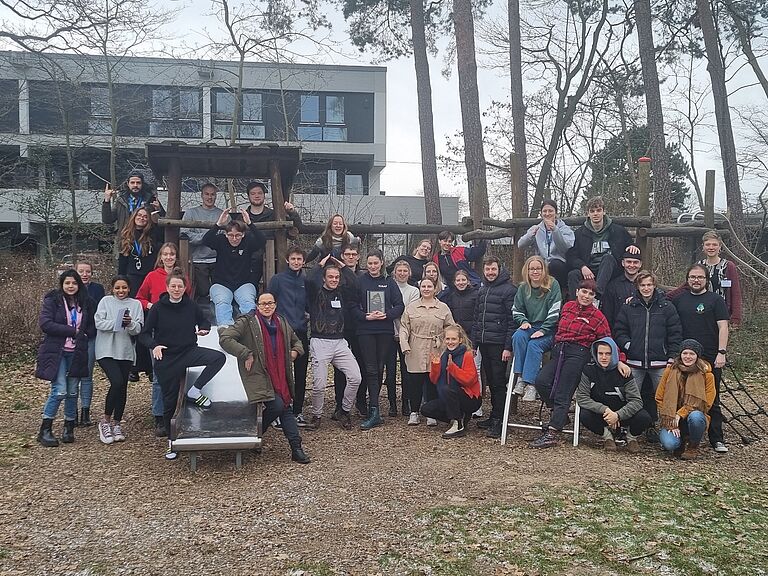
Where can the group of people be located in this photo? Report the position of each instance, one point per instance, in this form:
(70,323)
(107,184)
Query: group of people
(632,355)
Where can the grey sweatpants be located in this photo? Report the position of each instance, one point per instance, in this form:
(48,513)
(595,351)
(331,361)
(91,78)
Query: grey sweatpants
(336,352)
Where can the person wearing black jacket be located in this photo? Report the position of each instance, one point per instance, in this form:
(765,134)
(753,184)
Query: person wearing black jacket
(232,271)
(598,246)
(170,331)
(621,288)
(610,401)
(648,330)
(492,335)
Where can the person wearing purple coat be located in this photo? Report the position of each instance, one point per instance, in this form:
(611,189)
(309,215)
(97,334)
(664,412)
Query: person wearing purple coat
(66,321)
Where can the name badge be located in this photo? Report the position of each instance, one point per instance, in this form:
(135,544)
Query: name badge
(335,304)
(725,283)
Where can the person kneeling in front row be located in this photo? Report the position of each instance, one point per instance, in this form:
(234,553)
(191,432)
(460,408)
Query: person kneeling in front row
(610,401)
(266,346)
(454,374)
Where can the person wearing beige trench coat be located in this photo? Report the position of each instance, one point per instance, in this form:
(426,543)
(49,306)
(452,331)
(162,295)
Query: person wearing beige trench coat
(421,330)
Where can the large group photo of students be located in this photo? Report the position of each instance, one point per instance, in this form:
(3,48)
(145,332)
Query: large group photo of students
(445,324)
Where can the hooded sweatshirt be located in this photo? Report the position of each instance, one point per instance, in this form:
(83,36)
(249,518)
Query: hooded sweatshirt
(602,388)
(590,247)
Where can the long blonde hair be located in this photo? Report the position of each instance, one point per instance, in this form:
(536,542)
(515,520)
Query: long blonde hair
(546,279)
(439,284)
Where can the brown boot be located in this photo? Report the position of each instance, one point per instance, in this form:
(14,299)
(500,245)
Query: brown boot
(691,453)
(633,447)
(609,445)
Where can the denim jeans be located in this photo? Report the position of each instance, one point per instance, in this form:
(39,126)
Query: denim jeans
(528,352)
(157,392)
(648,393)
(86,384)
(692,427)
(63,388)
(221,296)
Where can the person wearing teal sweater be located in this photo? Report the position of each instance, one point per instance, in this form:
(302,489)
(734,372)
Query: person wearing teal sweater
(536,310)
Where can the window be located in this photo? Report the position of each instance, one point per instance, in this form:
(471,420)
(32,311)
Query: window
(100,122)
(322,118)
(251,122)
(353,184)
(176,113)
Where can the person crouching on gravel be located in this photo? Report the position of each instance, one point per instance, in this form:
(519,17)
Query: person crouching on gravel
(66,321)
(266,346)
(458,388)
(118,319)
(170,332)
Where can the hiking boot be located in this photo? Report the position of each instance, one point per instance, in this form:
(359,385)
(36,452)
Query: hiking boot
(652,435)
(85,417)
(68,436)
(342,418)
(392,408)
(495,430)
(405,407)
(691,453)
(300,421)
(530,393)
(414,419)
(373,420)
(362,409)
(609,445)
(105,432)
(117,433)
(160,431)
(133,376)
(45,436)
(298,455)
(485,424)
(313,423)
(457,430)
(633,447)
(549,439)
(677,452)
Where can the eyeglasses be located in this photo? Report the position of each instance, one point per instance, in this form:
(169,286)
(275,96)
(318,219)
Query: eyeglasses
(697,277)
(234,236)
(351,254)
(266,304)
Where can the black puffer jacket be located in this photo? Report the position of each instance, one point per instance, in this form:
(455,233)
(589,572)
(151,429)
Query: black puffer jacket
(493,312)
(462,305)
(649,335)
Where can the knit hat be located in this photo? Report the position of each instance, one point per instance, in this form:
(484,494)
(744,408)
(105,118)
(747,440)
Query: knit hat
(628,254)
(136,174)
(693,345)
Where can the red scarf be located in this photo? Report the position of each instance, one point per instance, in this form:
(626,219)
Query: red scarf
(275,358)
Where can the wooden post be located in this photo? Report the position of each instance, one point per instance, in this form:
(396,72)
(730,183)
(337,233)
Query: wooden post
(517,212)
(174,199)
(643,208)
(185,259)
(709,200)
(278,201)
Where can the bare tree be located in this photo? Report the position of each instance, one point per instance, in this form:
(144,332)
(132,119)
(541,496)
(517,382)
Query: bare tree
(516,97)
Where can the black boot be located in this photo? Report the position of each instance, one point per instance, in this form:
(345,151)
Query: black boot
(85,417)
(495,429)
(45,436)
(160,431)
(485,424)
(68,436)
(298,455)
(392,408)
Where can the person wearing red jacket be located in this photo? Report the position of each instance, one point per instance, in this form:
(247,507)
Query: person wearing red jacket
(458,388)
(154,286)
(580,325)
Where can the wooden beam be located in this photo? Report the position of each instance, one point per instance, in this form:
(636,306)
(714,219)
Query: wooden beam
(425,229)
(675,232)
(524,223)
(174,198)
(207,225)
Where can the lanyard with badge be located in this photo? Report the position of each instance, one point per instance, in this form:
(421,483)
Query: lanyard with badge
(137,254)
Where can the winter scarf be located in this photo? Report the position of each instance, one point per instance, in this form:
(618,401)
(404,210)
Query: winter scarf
(274,357)
(685,387)
(457,355)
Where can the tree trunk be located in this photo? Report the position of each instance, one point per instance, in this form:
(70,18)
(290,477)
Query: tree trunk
(518,105)
(723,118)
(426,126)
(474,156)
(661,190)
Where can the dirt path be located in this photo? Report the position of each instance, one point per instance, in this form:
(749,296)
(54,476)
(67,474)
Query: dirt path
(87,508)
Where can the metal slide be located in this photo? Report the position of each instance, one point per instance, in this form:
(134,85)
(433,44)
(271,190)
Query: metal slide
(231,423)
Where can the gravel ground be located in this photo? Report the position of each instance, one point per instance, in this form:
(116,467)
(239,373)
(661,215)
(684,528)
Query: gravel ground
(88,509)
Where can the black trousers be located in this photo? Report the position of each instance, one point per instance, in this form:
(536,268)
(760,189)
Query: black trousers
(594,422)
(340,380)
(390,366)
(274,409)
(715,430)
(171,369)
(116,372)
(606,272)
(494,376)
(454,405)
(559,378)
(374,348)
(559,271)
(300,374)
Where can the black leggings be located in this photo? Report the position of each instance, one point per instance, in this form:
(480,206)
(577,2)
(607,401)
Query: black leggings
(117,374)
(454,405)
(374,348)
(300,374)
(418,386)
(171,369)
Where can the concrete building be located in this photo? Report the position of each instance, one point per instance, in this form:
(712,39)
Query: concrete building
(336,113)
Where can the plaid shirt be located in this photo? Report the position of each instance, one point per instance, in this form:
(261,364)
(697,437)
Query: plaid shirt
(581,324)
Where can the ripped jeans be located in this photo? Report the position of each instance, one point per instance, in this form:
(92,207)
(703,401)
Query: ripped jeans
(63,388)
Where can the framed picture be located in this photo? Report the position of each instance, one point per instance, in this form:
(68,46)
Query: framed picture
(376,301)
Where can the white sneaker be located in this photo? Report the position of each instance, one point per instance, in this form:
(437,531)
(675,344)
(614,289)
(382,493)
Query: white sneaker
(414,419)
(117,433)
(431,422)
(169,453)
(720,447)
(198,398)
(530,393)
(519,387)
(478,413)
(105,433)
